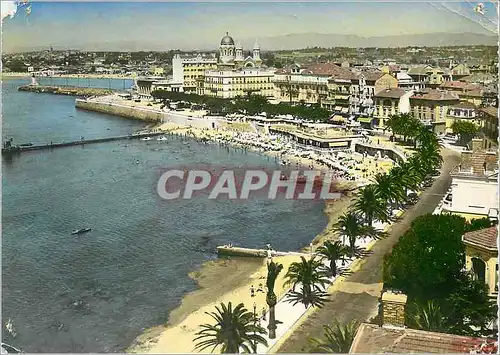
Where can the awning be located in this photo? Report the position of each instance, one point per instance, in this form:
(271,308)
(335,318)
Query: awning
(338,144)
(365,119)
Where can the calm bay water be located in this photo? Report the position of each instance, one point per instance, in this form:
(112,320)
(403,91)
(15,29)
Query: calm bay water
(96,292)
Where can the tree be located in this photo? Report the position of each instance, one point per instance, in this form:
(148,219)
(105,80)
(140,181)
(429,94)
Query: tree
(273,270)
(389,189)
(350,226)
(465,129)
(428,258)
(370,205)
(333,252)
(427,316)
(338,338)
(233,329)
(469,308)
(479,223)
(312,277)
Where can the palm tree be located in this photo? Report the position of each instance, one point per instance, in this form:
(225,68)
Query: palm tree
(369,204)
(233,329)
(389,188)
(407,180)
(350,226)
(333,252)
(427,317)
(313,277)
(338,338)
(273,270)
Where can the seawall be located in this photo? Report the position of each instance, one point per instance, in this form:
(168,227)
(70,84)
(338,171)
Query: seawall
(121,110)
(104,105)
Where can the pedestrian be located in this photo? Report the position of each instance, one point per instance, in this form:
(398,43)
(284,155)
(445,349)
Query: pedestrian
(252,291)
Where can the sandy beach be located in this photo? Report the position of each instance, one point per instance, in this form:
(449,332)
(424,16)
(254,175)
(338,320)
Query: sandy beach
(223,281)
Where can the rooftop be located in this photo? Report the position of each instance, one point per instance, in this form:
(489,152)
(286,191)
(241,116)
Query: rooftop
(489,110)
(486,238)
(459,85)
(464,104)
(373,76)
(390,93)
(372,338)
(478,163)
(434,95)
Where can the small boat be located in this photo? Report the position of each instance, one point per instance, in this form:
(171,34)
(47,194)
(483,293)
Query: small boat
(81,231)
(162,138)
(146,139)
(26,145)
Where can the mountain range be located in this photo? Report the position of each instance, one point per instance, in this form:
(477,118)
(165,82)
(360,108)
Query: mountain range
(298,41)
(289,42)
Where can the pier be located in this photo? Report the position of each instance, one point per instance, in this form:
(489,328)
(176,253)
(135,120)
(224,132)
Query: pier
(66,90)
(12,149)
(227,250)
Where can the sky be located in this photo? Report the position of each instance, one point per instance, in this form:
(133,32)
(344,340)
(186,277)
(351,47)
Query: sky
(200,25)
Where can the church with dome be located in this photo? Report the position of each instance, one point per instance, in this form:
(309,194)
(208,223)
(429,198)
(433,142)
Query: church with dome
(231,55)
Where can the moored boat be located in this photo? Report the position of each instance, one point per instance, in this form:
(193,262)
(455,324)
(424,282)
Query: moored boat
(81,231)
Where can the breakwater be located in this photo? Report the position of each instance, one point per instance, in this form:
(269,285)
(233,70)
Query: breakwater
(110,108)
(24,148)
(66,90)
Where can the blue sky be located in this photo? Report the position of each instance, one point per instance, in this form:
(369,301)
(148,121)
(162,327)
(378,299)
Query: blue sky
(188,25)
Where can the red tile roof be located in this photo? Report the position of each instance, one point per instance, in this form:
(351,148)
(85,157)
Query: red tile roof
(372,338)
(473,93)
(464,104)
(486,238)
(492,111)
(373,76)
(328,69)
(459,85)
(434,95)
(395,93)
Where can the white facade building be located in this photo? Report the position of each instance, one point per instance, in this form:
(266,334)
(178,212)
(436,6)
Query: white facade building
(474,187)
(229,84)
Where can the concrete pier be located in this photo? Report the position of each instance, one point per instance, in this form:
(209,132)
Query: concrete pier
(65,90)
(226,250)
(20,149)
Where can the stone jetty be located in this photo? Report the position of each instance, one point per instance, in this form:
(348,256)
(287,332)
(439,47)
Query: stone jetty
(66,90)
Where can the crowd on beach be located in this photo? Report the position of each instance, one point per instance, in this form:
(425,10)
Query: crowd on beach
(345,165)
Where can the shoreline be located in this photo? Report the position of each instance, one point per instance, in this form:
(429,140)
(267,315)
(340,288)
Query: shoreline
(176,335)
(69,76)
(184,319)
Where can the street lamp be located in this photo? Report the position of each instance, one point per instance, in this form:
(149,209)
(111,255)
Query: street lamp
(254,327)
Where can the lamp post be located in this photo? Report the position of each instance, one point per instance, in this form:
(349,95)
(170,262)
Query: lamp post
(254,327)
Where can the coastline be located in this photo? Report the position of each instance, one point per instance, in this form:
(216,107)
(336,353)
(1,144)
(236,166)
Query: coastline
(223,280)
(176,336)
(69,76)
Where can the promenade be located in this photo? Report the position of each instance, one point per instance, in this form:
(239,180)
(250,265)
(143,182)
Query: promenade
(357,298)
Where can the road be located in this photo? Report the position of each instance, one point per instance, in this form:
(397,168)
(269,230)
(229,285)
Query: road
(358,296)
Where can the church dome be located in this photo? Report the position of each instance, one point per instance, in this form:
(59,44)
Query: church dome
(227,39)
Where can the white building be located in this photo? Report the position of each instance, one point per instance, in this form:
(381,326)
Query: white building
(187,71)
(237,75)
(474,187)
(228,84)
